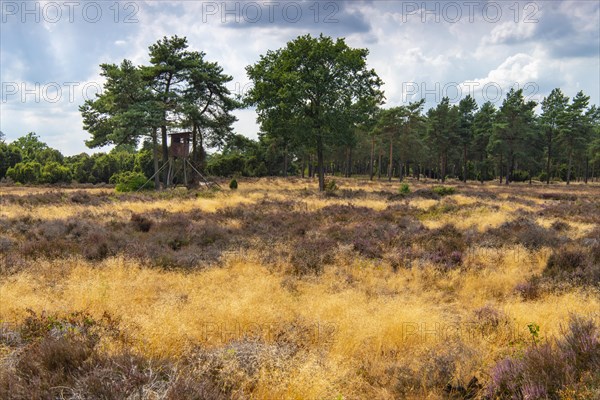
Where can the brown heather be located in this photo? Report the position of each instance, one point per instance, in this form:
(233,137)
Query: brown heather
(274,291)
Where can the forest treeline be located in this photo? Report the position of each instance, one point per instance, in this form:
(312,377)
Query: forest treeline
(321,111)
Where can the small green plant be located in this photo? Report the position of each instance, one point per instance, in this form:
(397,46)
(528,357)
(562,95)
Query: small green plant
(233,185)
(444,190)
(331,186)
(130,181)
(404,189)
(534,330)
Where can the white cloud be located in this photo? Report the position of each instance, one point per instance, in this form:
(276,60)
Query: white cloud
(401,51)
(510,32)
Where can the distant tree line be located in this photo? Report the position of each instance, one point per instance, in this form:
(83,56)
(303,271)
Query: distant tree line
(321,111)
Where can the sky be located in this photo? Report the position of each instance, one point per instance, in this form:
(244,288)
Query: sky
(50,51)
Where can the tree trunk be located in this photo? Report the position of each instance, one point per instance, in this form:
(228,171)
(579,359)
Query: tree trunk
(481,169)
(379,165)
(349,171)
(548,160)
(320,166)
(569,167)
(509,168)
(400,170)
(372,158)
(501,169)
(194,139)
(303,164)
(165,153)
(465,163)
(155,158)
(443,166)
(391,163)
(285,161)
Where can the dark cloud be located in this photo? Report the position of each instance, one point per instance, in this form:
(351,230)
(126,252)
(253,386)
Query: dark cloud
(561,32)
(333,17)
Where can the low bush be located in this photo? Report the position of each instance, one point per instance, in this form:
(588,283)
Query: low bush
(331,186)
(523,231)
(141,223)
(130,181)
(404,189)
(574,264)
(233,184)
(309,256)
(444,190)
(544,371)
(60,357)
(444,246)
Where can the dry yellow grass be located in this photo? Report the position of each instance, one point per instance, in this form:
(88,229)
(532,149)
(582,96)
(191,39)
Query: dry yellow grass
(361,315)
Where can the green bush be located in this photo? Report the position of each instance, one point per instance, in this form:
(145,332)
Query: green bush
(233,184)
(404,189)
(25,172)
(444,190)
(53,172)
(331,186)
(520,176)
(226,165)
(130,181)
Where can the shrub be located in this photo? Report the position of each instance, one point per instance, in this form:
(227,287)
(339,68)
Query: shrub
(426,194)
(560,226)
(25,172)
(404,189)
(141,223)
(529,290)
(130,181)
(488,319)
(233,184)
(331,186)
(309,256)
(520,176)
(546,370)
(53,172)
(444,245)
(526,232)
(574,264)
(444,190)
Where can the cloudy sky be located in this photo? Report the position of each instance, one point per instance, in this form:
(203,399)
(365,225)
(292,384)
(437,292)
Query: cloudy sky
(50,50)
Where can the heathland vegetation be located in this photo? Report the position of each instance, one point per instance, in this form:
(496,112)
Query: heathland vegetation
(277,291)
(360,252)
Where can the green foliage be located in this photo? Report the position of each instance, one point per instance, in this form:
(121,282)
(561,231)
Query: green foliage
(29,146)
(130,181)
(226,164)
(313,92)
(534,331)
(233,185)
(520,176)
(331,186)
(9,156)
(404,189)
(444,190)
(25,172)
(53,172)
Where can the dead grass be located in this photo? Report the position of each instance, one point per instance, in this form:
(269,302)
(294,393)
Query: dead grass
(361,327)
